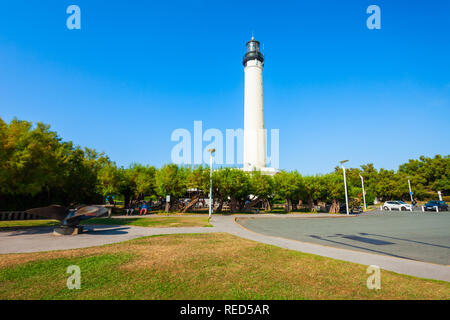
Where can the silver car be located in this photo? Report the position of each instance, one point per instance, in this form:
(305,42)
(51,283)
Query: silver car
(396,205)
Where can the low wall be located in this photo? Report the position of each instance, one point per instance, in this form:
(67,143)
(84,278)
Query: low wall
(18,215)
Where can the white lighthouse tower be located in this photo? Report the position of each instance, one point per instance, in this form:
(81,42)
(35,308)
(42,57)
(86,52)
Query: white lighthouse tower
(254,133)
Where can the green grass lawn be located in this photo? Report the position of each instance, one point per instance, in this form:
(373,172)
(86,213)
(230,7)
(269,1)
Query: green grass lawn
(160,222)
(17,224)
(200,266)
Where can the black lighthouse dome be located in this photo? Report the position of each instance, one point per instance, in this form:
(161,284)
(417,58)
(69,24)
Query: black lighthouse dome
(253,52)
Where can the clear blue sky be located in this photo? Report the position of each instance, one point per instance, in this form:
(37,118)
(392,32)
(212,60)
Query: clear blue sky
(137,70)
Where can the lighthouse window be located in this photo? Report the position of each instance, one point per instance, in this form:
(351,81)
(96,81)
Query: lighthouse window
(252,46)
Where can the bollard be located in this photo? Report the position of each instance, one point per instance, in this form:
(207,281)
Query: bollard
(390,209)
(437,209)
(410,209)
(381,208)
(423,209)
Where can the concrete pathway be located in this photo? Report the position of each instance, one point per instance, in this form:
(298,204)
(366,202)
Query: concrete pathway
(41,239)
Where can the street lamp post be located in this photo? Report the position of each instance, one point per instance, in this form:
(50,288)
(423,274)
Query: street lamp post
(345,184)
(364,193)
(211,151)
(410,191)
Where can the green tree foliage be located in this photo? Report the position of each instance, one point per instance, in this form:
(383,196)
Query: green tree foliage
(37,168)
(145,180)
(233,184)
(198,181)
(431,172)
(332,190)
(289,186)
(109,179)
(262,187)
(312,190)
(171,180)
(135,182)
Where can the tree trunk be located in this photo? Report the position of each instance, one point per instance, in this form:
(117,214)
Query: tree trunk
(335,207)
(174,204)
(126,200)
(233,205)
(311,203)
(268,206)
(288,205)
(240,205)
(251,204)
(219,208)
(191,203)
(294,205)
(167,207)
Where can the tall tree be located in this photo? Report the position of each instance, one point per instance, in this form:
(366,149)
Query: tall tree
(261,186)
(198,180)
(289,186)
(233,184)
(171,181)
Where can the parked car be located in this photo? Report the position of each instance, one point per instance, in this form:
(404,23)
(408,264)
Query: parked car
(353,209)
(431,205)
(396,205)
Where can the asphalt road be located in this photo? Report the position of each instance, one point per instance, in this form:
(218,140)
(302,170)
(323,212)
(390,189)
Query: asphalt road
(411,235)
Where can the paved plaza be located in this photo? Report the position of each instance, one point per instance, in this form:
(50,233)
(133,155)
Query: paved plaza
(408,235)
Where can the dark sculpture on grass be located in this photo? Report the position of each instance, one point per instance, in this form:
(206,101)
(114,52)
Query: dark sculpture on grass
(70,218)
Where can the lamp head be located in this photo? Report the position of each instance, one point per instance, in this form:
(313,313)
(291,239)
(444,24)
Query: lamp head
(211,151)
(343,161)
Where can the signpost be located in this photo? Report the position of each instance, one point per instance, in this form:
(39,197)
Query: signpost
(167,203)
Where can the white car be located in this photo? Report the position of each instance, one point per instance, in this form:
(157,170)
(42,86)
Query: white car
(396,205)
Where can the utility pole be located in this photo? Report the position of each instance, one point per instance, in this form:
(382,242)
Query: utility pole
(410,192)
(345,185)
(211,151)
(364,193)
